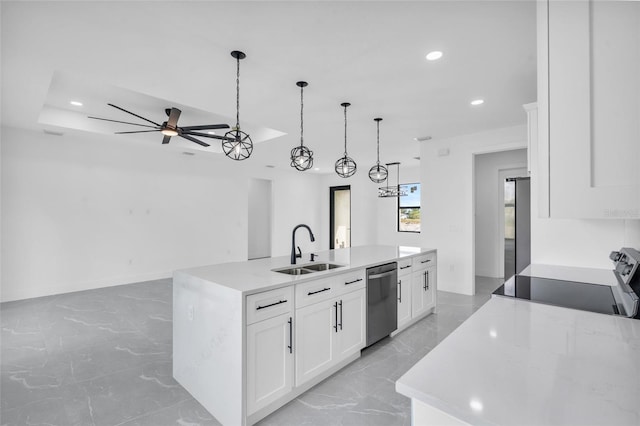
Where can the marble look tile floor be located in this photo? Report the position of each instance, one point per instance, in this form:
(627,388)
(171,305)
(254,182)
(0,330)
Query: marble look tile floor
(103,357)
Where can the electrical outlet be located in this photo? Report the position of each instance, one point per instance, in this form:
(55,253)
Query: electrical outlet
(190,312)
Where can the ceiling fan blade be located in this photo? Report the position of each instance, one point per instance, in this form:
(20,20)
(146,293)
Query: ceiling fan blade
(137,131)
(189,138)
(206,135)
(172,122)
(207,127)
(135,115)
(122,122)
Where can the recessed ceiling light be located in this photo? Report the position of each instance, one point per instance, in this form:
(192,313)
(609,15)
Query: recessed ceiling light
(211,133)
(76,103)
(477,102)
(422,138)
(270,166)
(317,169)
(433,56)
(187,153)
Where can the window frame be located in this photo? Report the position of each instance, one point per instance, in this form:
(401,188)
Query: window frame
(419,207)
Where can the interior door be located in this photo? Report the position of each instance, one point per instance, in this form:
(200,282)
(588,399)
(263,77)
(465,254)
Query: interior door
(340,217)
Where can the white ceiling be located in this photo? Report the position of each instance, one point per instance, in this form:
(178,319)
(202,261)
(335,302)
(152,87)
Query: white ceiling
(368,53)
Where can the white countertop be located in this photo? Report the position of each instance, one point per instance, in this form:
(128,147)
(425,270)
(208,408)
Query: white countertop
(257,275)
(515,362)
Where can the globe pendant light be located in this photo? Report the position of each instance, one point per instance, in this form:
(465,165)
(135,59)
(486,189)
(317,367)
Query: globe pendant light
(345,166)
(301,156)
(392,191)
(378,173)
(238,144)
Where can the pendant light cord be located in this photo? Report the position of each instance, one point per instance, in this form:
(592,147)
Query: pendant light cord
(301,116)
(378,138)
(238,94)
(345,131)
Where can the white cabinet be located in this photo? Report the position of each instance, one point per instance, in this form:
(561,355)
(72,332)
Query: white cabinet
(422,291)
(328,332)
(404,294)
(314,340)
(269,361)
(589,108)
(351,326)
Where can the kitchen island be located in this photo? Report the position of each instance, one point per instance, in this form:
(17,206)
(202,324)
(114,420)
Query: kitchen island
(516,362)
(247,339)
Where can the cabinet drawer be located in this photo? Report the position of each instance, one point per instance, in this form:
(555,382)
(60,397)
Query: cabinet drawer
(404,266)
(314,291)
(350,281)
(424,261)
(269,304)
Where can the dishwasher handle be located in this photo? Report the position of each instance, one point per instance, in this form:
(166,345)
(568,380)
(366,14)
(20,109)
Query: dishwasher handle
(384,274)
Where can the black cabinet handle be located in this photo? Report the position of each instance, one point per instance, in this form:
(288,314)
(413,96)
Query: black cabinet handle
(335,305)
(354,281)
(341,315)
(400,292)
(318,291)
(425,261)
(405,267)
(427,280)
(270,305)
(424,281)
(290,335)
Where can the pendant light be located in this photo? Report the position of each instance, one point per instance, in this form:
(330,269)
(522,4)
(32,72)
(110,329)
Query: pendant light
(345,166)
(238,145)
(378,173)
(392,191)
(301,156)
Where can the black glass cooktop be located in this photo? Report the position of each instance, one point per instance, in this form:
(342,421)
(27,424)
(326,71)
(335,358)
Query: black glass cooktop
(568,294)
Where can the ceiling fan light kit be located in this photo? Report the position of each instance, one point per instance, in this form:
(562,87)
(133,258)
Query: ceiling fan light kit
(301,156)
(238,144)
(392,191)
(345,166)
(378,173)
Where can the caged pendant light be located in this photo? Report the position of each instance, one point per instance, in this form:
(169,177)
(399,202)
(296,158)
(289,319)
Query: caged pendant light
(238,145)
(345,166)
(301,156)
(392,191)
(378,173)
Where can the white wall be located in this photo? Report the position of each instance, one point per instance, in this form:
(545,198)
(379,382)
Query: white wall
(488,207)
(81,212)
(447,200)
(259,222)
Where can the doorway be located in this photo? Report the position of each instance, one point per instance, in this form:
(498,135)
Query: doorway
(339,217)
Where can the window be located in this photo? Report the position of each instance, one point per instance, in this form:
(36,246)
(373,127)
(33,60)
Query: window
(409,208)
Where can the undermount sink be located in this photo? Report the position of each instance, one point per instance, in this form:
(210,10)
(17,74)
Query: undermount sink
(307,269)
(321,266)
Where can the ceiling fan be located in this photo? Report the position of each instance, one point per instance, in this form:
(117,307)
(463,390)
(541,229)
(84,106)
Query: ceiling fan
(170,127)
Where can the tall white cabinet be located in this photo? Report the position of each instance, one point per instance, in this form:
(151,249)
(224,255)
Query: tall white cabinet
(589,106)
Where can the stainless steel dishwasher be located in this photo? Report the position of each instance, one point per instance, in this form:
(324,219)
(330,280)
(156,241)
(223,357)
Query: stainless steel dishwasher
(382,308)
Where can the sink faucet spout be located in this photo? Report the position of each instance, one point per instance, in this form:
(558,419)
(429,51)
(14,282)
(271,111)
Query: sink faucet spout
(295,255)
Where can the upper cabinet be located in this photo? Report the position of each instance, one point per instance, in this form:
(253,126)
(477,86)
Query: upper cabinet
(589,107)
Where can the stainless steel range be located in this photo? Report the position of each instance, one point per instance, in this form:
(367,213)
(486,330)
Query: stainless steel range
(621,299)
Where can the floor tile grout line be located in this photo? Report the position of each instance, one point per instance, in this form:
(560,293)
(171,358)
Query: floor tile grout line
(155,411)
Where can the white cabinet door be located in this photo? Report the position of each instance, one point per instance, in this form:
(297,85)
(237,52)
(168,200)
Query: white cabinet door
(588,91)
(404,299)
(423,289)
(269,361)
(418,288)
(314,342)
(351,324)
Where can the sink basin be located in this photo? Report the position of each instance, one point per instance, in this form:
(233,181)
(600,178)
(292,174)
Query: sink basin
(309,268)
(293,271)
(321,266)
